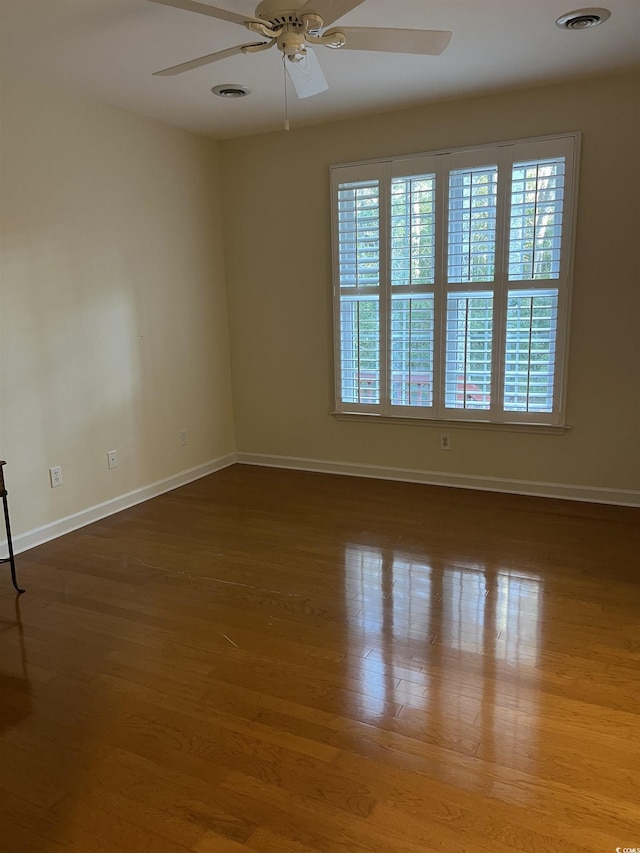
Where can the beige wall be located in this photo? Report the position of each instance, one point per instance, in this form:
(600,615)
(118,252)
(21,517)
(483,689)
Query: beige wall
(113,315)
(113,311)
(277,249)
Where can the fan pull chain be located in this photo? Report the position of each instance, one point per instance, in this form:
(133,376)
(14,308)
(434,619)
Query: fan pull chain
(286,103)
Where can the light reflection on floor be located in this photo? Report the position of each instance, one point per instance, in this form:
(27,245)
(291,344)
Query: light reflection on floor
(455,646)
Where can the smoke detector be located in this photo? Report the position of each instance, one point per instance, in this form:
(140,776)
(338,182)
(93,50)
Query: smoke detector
(583,19)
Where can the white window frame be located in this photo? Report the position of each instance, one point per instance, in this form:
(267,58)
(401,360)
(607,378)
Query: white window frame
(440,163)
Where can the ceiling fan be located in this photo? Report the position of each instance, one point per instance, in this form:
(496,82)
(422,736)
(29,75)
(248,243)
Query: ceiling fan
(294,25)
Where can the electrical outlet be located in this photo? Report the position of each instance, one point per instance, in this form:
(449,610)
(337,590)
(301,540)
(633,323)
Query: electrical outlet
(55,475)
(112,458)
(445,441)
(183,437)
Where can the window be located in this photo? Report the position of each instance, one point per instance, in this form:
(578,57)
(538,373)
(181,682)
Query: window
(451,282)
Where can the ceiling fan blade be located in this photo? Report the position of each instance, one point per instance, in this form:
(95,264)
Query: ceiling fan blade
(205,9)
(307,76)
(425,42)
(203,60)
(329,10)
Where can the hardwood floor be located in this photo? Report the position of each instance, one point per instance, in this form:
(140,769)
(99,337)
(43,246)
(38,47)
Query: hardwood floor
(279,661)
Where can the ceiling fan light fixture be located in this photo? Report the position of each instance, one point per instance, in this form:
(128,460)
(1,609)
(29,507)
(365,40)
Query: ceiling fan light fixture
(231,90)
(583,19)
(292,45)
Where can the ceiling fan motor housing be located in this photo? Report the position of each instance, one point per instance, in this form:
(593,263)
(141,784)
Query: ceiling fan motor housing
(272,12)
(278,12)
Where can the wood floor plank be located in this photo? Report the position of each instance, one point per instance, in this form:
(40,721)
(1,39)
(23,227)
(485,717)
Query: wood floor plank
(26,828)
(287,662)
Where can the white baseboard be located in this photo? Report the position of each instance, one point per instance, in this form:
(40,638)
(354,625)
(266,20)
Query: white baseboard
(563,491)
(39,535)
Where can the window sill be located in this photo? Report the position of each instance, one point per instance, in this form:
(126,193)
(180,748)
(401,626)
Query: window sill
(541,429)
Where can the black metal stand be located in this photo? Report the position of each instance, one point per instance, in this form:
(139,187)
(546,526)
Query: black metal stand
(10,559)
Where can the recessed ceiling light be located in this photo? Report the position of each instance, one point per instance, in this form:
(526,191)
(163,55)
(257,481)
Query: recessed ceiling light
(583,19)
(231,90)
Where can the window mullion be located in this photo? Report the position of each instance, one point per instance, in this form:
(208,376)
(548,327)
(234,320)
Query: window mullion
(560,365)
(440,286)
(500,298)
(384,288)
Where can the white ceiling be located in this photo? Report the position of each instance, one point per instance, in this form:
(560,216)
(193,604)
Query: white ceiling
(108,49)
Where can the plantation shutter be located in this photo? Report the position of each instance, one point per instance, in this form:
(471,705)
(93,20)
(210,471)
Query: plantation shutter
(451,283)
(539,234)
(473,223)
(413,265)
(358,206)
